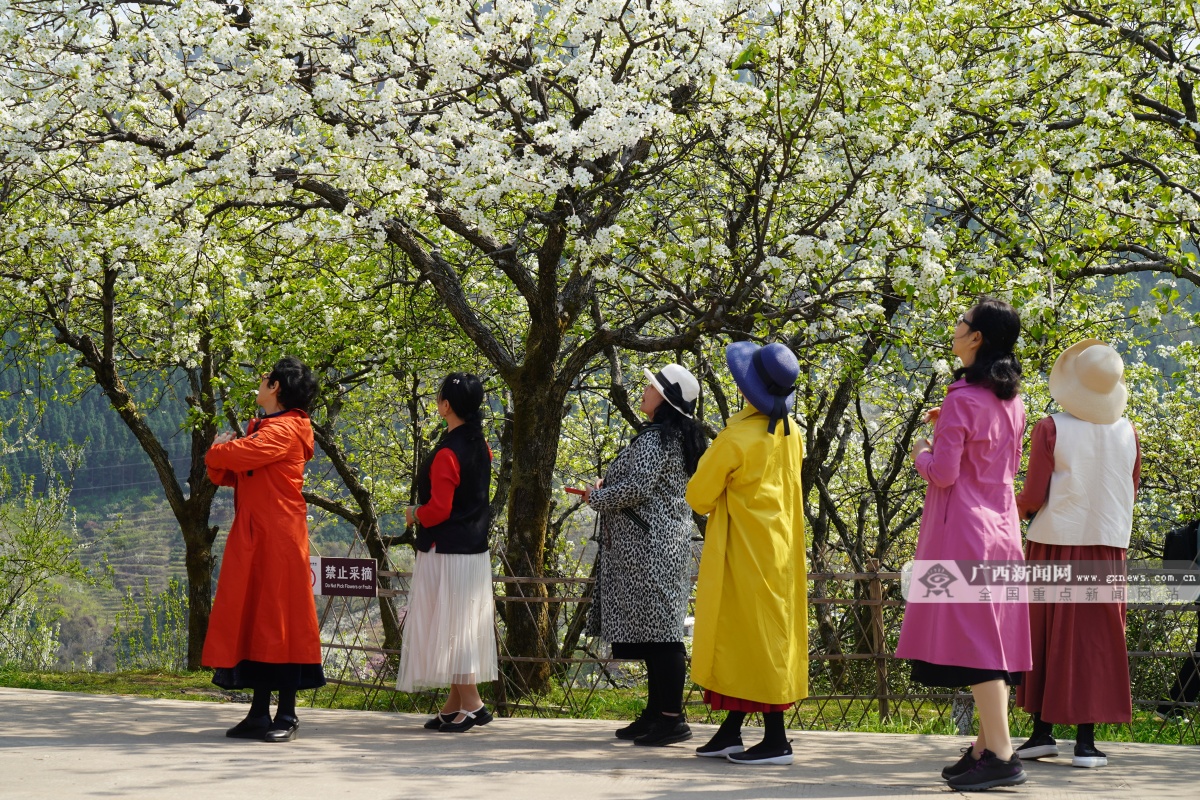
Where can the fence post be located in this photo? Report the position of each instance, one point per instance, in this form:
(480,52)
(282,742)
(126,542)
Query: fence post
(879,641)
(962,712)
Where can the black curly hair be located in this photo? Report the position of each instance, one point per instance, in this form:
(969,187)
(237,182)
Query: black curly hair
(687,431)
(298,386)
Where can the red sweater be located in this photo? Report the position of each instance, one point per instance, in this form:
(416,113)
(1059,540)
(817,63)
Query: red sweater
(444,477)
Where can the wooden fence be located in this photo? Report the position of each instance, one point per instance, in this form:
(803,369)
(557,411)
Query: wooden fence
(855,680)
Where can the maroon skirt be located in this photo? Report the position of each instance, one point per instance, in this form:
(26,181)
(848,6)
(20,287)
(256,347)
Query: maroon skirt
(1080,661)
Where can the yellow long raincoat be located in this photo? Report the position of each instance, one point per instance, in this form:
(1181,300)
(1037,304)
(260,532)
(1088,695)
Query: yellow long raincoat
(751,635)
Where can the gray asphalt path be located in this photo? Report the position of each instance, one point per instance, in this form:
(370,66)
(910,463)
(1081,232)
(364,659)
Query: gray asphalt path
(62,745)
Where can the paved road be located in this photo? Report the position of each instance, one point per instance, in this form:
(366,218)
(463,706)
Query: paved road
(63,745)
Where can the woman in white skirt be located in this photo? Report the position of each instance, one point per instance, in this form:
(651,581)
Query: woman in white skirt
(449,630)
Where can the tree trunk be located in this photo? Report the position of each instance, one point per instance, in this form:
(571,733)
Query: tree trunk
(365,520)
(536,425)
(198,538)
(378,550)
(192,509)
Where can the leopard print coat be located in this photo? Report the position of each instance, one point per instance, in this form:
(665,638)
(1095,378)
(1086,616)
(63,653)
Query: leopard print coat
(643,582)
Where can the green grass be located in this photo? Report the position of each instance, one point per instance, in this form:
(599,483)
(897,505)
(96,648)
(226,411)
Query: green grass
(610,704)
(182,686)
(196,685)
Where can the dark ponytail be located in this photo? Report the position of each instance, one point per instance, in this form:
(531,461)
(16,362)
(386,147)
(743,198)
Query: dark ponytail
(674,426)
(464,392)
(995,365)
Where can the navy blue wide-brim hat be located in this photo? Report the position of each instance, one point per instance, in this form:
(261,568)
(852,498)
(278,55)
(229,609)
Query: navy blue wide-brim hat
(767,377)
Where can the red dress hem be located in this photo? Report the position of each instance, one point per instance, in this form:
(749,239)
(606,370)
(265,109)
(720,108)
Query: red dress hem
(721,702)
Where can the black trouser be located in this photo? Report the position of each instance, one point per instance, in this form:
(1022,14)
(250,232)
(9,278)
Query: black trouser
(666,670)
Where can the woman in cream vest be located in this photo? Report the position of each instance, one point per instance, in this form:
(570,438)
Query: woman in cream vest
(1084,467)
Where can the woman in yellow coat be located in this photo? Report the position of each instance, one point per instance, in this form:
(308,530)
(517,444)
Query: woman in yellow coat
(750,649)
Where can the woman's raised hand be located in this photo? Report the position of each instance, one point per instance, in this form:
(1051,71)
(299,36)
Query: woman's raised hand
(587,491)
(222,438)
(921,445)
(932,414)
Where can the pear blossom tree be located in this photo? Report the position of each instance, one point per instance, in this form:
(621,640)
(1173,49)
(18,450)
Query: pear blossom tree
(568,189)
(496,146)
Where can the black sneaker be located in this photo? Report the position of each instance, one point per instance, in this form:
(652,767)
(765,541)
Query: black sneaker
(763,755)
(639,726)
(1087,756)
(962,765)
(1042,746)
(716,749)
(666,730)
(988,773)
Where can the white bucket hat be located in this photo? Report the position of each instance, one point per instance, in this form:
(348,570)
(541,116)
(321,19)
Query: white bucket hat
(1088,381)
(677,386)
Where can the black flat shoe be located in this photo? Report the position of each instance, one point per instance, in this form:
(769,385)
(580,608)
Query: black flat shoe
(282,730)
(250,728)
(438,721)
(480,716)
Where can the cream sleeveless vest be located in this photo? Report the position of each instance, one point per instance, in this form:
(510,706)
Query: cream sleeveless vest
(1091,490)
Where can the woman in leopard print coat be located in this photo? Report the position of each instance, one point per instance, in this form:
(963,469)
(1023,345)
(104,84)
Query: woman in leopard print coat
(643,582)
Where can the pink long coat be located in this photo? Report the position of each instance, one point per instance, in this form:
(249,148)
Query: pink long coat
(971,514)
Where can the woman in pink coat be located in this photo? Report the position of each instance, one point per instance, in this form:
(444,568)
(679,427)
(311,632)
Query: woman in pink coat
(971,515)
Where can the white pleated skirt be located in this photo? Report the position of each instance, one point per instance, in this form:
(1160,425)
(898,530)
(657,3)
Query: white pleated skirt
(449,633)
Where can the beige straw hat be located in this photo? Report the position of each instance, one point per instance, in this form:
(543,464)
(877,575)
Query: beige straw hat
(1088,381)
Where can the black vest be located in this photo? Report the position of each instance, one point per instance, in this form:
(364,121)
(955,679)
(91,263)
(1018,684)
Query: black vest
(466,531)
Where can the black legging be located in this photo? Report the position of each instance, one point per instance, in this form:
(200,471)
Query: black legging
(666,670)
(261,703)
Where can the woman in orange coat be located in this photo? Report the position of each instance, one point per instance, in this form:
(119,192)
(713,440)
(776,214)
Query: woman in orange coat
(263,633)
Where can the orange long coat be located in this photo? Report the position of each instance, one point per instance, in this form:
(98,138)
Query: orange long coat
(264,608)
